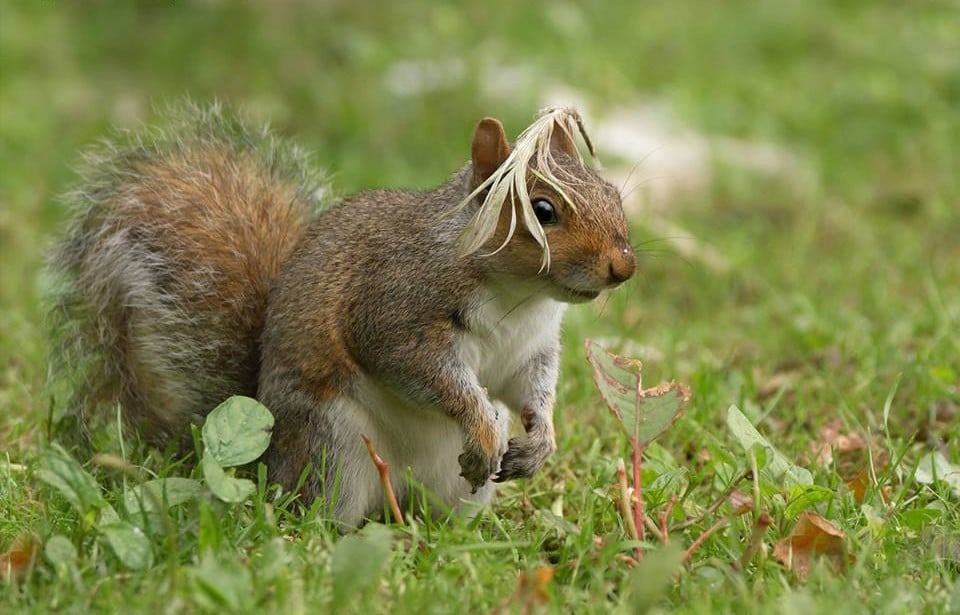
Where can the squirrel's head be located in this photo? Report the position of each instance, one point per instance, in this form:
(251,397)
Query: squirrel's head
(544,213)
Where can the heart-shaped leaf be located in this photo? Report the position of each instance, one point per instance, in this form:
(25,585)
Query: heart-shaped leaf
(237,431)
(130,544)
(644,414)
(227,488)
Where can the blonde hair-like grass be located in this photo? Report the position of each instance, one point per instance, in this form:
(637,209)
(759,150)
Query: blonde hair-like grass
(532,155)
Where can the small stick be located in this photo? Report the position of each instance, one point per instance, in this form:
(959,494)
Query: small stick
(699,541)
(626,559)
(624,501)
(651,525)
(384,471)
(664,536)
(637,486)
(756,538)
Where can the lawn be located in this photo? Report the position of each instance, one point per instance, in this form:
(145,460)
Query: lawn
(798,214)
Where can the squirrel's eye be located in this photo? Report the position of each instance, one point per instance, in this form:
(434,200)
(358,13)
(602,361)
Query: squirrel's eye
(544,211)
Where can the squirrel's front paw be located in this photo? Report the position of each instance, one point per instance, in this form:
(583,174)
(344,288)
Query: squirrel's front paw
(477,466)
(524,456)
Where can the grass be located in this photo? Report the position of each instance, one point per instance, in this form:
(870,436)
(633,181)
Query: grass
(841,302)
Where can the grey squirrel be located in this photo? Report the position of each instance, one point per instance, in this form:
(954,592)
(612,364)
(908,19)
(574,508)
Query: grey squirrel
(201,264)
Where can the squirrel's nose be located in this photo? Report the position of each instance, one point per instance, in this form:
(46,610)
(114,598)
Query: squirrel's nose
(622,264)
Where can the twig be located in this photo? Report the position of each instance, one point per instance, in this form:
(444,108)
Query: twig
(756,538)
(716,503)
(637,488)
(664,535)
(624,501)
(384,471)
(626,559)
(651,525)
(700,540)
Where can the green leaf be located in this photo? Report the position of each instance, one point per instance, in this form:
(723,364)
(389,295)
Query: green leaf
(130,544)
(107,515)
(62,556)
(227,488)
(60,552)
(644,414)
(759,453)
(805,497)
(934,467)
(918,518)
(358,561)
(154,495)
(778,466)
(59,470)
(652,577)
(237,431)
(222,583)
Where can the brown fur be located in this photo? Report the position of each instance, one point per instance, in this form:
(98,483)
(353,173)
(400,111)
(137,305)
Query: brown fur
(196,269)
(167,268)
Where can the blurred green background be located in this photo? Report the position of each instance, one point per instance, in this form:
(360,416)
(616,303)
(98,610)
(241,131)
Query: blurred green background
(857,251)
(798,165)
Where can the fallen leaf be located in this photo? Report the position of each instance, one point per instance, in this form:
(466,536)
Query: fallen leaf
(531,591)
(779,381)
(812,537)
(850,453)
(740,502)
(858,485)
(833,440)
(15,562)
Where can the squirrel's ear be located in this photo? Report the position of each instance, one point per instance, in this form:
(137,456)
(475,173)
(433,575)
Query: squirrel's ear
(562,141)
(490,149)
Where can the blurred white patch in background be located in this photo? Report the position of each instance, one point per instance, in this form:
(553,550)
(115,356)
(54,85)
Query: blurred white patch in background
(657,162)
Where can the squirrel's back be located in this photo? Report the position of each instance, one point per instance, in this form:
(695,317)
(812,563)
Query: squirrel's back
(166,268)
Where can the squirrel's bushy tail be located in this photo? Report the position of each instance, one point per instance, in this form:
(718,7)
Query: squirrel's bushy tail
(164,273)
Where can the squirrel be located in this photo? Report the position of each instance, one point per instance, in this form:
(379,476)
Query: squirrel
(203,262)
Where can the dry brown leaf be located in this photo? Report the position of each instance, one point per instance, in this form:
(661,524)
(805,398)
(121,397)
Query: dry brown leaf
(850,453)
(831,440)
(858,484)
(530,593)
(782,380)
(812,537)
(15,562)
(740,502)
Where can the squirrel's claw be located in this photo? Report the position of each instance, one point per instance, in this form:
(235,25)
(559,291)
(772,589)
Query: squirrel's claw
(524,456)
(476,467)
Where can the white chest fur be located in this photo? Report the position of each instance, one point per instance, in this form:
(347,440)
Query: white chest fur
(505,328)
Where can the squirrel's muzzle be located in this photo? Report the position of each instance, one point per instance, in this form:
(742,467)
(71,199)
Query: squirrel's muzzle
(621,263)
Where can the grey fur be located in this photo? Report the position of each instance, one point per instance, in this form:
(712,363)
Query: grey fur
(116,301)
(374,323)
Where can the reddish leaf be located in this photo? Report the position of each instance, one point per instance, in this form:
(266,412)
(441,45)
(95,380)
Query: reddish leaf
(812,537)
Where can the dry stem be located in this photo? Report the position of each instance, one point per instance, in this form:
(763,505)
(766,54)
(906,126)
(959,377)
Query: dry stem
(384,471)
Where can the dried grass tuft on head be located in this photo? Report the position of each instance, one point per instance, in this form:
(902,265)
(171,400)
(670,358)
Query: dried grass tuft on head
(532,154)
